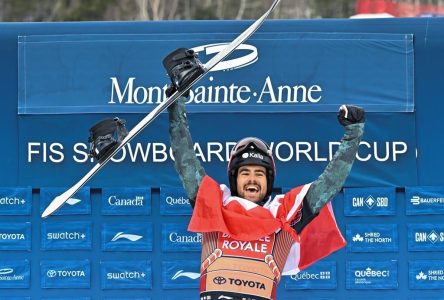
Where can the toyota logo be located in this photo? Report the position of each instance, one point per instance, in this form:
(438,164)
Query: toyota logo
(219,280)
(51,273)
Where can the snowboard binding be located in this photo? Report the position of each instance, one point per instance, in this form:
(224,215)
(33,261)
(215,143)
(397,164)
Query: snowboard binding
(105,136)
(183,67)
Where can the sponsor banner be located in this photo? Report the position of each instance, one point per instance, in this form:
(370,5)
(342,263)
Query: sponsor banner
(372,237)
(15,236)
(104,81)
(369,201)
(426,274)
(15,201)
(66,235)
(68,298)
(14,274)
(120,298)
(386,150)
(129,274)
(126,201)
(127,236)
(427,298)
(180,274)
(311,298)
(371,275)
(174,201)
(176,238)
(75,274)
(79,204)
(321,275)
(15,298)
(423,200)
(425,237)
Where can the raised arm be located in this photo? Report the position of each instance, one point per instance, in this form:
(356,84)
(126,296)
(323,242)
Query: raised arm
(187,165)
(332,179)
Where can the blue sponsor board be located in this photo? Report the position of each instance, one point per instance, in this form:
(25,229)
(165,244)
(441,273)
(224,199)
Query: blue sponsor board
(68,298)
(120,298)
(15,201)
(321,275)
(426,274)
(15,298)
(126,201)
(127,236)
(15,236)
(66,235)
(312,298)
(14,274)
(423,200)
(78,204)
(174,201)
(371,275)
(427,298)
(327,81)
(74,274)
(372,237)
(176,238)
(129,274)
(369,201)
(180,274)
(425,237)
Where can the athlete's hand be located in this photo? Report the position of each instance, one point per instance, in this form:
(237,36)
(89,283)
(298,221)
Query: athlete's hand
(349,114)
(171,89)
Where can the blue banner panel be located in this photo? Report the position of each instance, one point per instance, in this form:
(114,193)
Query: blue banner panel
(128,274)
(180,274)
(103,77)
(321,275)
(120,298)
(371,275)
(372,237)
(75,274)
(14,274)
(78,204)
(15,201)
(174,201)
(66,235)
(424,200)
(426,298)
(425,237)
(369,201)
(68,298)
(15,236)
(127,236)
(426,274)
(386,155)
(126,201)
(176,238)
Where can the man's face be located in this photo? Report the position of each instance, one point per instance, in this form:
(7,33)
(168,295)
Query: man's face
(252,182)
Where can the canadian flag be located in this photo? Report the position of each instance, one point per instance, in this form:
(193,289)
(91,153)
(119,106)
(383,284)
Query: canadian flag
(217,211)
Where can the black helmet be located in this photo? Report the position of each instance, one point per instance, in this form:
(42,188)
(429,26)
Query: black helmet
(251,151)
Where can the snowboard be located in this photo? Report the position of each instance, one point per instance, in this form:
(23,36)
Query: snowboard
(61,199)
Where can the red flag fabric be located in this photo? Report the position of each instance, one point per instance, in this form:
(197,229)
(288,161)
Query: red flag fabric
(217,211)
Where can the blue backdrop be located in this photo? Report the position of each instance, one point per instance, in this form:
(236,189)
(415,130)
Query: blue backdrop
(124,235)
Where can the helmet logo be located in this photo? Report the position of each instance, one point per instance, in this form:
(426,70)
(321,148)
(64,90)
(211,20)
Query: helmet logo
(252,155)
